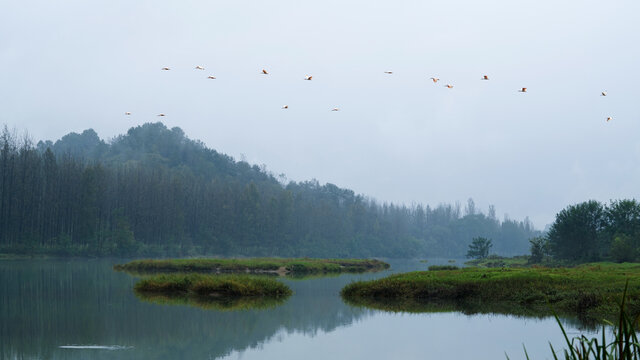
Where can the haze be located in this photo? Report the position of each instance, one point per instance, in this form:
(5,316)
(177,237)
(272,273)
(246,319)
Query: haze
(72,65)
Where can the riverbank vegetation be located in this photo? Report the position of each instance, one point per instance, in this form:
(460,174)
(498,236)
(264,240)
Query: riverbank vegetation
(442,267)
(589,291)
(212,286)
(154,192)
(495,261)
(281,266)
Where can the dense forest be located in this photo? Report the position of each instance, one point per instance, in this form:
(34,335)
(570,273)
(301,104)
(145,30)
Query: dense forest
(592,231)
(155,192)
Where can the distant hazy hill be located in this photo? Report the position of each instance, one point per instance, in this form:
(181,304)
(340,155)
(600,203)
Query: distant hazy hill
(156,192)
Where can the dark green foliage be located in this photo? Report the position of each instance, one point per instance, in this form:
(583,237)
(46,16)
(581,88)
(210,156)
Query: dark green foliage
(155,192)
(575,233)
(622,249)
(479,248)
(590,231)
(623,217)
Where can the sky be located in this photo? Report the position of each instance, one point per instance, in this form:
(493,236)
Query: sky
(71,65)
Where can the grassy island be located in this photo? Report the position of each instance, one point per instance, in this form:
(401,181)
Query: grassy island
(591,291)
(212,287)
(213,303)
(254,265)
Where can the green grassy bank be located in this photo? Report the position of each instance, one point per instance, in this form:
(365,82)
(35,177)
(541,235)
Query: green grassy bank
(254,265)
(590,291)
(213,285)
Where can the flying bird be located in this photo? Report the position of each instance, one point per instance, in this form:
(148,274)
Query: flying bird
(609,118)
(162,115)
(165,68)
(335,109)
(308,77)
(198,67)
(604,93)
(449,86)
(264,72)
(388,72)
(435,80)
(485,77)
(523,90)
(285,107)
(211,77)
(127,113)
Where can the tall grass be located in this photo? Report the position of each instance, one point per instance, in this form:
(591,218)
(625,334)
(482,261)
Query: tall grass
(624,346)
(212,285)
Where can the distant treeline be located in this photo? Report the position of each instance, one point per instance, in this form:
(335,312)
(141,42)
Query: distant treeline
(592,231)
(154,192)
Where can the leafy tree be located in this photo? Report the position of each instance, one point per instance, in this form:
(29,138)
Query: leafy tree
(539,249)
(479,248)
(576,233)
(623,219)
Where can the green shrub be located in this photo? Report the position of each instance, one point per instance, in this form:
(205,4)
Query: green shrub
(622,249)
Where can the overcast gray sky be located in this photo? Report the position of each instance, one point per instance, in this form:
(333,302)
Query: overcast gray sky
(70,65)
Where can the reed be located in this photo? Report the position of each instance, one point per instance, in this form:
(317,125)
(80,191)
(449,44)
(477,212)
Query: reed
(623,346)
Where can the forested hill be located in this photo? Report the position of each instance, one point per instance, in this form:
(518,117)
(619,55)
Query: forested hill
(155,192)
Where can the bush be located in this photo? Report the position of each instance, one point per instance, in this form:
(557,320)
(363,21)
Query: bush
(622,249)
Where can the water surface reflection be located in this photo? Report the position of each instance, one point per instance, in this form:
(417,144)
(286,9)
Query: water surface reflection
(45,304)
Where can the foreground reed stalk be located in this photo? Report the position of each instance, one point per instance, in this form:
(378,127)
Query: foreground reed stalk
(625,345)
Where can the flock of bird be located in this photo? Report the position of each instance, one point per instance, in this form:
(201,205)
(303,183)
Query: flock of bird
(309,78)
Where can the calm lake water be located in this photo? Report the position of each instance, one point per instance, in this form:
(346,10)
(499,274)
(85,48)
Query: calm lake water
(82,309)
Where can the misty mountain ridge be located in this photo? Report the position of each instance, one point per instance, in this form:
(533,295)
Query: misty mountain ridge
(155,192)
(151,143)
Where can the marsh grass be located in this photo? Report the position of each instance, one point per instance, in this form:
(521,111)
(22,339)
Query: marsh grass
(279,266)
(442,267)
(494,261)
(589,292)
(625,344)
(212,286)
